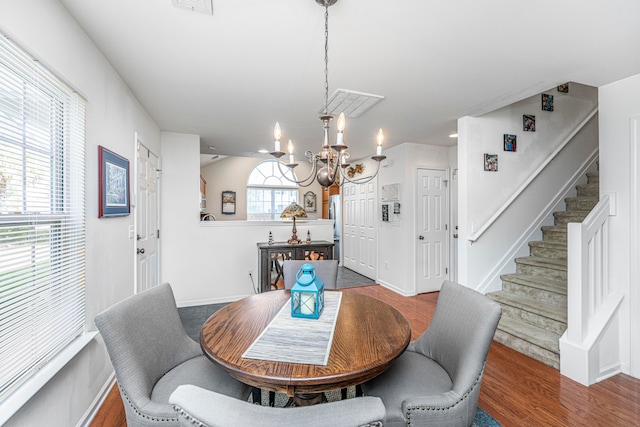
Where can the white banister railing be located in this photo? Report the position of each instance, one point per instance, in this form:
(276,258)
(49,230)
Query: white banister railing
(587,273)
(592,316)
(476,235)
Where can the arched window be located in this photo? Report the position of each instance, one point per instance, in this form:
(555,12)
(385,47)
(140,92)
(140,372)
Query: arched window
(269,192)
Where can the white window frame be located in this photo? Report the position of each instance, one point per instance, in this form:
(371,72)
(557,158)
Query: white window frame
(42,227)
(266,176)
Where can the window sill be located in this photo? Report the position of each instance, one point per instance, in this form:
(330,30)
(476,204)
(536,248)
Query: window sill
(16,400)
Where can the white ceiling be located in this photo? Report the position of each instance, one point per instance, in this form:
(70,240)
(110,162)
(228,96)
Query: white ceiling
(229,77)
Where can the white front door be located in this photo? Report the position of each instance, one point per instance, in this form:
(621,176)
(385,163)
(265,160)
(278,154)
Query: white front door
(432,230)
(147,221)
(360,231)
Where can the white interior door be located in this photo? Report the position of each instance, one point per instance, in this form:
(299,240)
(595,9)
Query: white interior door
(147,220)
(431,226)
(453,229)
(360,231)
(349,230)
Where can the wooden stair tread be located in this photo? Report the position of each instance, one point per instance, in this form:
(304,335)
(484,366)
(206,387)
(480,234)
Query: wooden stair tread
(553,244)
(549,310)
(554,227)
(572,213)
(527,332)
(542,283)
(558,264)
(595,198)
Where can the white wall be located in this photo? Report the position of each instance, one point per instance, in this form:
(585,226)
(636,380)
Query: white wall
(209,262)
(113,116)
(482,193)
(487,191)
(619,168)
(231,173)
(397,238)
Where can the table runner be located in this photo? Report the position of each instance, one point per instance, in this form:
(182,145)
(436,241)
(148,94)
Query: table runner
(296,340)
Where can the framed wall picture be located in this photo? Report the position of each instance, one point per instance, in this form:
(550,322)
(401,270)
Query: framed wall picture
(490,162)
(113,184)
(509,142)
(385,212)
(310,201)
(529,123)
(547,102)
(229,202)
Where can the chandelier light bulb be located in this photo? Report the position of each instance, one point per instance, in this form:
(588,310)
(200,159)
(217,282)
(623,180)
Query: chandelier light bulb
(380,139)
(340,125)
(290,152)
(277,134)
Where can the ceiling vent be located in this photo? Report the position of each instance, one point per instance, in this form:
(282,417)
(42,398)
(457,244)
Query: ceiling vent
(199,6)
(352,103)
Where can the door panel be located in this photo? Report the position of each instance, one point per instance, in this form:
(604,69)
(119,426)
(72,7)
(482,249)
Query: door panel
(147,224)
(432,240)
(360,233)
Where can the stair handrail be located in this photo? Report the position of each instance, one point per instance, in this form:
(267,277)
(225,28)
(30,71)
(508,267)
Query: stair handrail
(476,235)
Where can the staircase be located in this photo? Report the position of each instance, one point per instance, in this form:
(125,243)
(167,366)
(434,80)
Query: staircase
(534,299)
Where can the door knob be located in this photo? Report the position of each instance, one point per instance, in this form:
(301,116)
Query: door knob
(421,237)
(140,251)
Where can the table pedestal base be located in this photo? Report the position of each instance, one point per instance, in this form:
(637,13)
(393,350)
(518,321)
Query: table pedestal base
(306,399)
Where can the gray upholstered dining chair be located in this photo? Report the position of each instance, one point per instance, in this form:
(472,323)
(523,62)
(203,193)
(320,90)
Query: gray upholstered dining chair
(436,381)
(152,355)
(326,270)
(198,407)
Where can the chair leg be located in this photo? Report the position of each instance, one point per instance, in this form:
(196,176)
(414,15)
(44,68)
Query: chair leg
(344,393)
(256,395)
(272,398)
(359,392)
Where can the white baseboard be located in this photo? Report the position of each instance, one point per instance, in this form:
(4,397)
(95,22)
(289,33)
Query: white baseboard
(609,372)
(93,409)
(395,289)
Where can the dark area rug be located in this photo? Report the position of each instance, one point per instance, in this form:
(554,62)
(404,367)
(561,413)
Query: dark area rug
(484,420)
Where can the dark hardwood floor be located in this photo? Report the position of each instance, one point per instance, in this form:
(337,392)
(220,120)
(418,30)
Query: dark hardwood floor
(516,390)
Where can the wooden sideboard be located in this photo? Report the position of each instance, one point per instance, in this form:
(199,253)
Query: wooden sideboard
(272,256)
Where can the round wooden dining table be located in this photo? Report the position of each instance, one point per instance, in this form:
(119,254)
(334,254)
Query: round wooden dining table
(369,335)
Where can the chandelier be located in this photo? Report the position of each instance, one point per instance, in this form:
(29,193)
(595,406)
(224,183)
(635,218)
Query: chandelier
(330,163)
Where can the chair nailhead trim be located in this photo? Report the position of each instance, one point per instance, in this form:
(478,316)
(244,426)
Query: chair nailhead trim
(188,417)
(142,414)
(431,408)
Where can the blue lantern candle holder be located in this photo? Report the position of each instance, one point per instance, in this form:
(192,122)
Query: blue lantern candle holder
(307,294)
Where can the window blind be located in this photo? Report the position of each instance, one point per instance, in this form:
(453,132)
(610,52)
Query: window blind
(42,216)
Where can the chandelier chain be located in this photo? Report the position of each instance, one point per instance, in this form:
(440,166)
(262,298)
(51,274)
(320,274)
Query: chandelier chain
(326,57)
(328,165)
